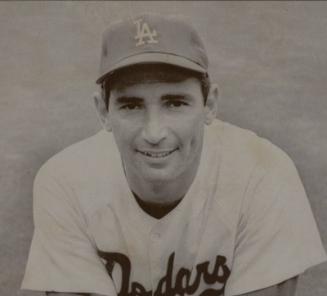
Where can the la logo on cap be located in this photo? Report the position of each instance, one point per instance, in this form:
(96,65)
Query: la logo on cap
(144,34)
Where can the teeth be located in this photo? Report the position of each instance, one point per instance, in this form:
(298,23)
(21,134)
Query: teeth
(156,154)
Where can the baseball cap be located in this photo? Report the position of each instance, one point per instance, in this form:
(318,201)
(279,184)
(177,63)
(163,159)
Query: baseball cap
(151,38)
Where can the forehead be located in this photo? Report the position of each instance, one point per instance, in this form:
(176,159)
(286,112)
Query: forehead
(154,89)
(148,74)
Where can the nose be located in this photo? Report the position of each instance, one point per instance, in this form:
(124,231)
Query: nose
(154,130)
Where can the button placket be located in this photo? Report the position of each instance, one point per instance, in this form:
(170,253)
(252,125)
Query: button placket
(155,256)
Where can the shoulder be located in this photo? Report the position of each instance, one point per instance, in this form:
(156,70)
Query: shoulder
(262,174)
(81,173)
(248,164)
(246,151)
(76,159)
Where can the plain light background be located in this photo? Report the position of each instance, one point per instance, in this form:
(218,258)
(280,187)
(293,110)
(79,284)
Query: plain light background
(269,59)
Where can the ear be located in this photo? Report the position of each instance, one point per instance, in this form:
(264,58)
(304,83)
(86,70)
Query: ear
(211,106)
(102,111)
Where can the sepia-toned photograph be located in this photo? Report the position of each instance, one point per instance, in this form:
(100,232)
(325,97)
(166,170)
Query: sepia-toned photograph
(163,148)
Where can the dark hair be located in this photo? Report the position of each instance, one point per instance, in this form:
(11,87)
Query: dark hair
(152,73)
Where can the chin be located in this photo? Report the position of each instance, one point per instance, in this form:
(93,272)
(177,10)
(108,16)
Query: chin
(158,175)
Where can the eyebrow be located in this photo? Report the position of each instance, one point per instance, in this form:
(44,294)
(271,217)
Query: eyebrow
(127,99)
(134,99)
(176,96)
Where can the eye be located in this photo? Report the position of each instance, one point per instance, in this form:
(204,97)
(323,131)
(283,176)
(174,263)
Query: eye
(176,103)
(131,106)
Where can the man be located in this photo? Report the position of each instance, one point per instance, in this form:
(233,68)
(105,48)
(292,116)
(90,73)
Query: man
(167,200)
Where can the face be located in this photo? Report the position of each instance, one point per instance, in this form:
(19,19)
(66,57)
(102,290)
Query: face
(158,128)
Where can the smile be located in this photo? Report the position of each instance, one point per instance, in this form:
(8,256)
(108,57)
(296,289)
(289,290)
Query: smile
(157,154)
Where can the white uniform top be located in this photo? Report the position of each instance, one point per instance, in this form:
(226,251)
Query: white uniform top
(244,224)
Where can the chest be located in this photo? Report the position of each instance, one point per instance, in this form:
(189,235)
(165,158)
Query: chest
(171,257)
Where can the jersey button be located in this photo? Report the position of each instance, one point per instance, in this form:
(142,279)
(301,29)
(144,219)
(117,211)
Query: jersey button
(156,235)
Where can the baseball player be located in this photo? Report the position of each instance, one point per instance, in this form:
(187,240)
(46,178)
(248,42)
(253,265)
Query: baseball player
(167,200)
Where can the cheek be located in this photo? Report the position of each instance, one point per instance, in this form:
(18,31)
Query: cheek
(124,133)
(191,132)
(196,141)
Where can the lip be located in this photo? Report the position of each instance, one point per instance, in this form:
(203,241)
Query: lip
(156,154)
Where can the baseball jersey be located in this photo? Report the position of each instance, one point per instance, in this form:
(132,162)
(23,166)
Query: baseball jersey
(244,224)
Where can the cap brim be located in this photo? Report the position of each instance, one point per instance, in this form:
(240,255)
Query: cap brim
(152,58)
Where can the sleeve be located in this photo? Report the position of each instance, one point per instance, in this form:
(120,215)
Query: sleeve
(277,237)
(62,257)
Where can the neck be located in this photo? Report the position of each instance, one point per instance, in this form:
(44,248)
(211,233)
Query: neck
(156,210)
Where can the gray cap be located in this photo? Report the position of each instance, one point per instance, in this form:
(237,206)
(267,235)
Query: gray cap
(152,38)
